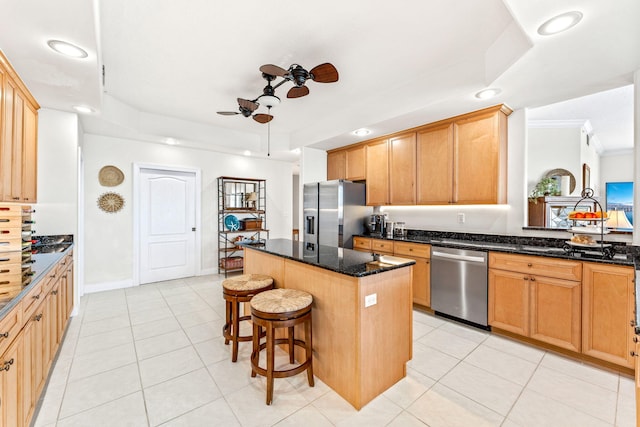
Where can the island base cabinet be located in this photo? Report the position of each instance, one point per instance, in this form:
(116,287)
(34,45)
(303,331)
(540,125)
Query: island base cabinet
(637,363)
(608,309)
(508,301)
(556,312)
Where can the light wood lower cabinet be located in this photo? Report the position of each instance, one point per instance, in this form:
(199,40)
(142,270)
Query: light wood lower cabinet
(638,383)
(421,254)
(608,309)
(544,308)
(26,355)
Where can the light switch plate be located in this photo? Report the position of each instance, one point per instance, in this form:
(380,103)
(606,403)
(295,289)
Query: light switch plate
(461,218)
(370,300)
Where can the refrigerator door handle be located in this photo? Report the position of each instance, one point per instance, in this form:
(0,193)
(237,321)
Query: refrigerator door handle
(310,225)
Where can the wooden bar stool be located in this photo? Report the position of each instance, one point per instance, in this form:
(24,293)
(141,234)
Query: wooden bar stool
(236,290)
(281,308)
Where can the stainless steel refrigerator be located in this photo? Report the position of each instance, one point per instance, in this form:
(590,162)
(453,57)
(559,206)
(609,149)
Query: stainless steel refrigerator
(334,211)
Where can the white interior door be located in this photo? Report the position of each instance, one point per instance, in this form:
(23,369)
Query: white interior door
(167,225)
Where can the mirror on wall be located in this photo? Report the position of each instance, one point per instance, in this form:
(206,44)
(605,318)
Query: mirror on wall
(590,139)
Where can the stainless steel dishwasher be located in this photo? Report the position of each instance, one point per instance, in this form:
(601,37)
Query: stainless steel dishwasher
(459,284)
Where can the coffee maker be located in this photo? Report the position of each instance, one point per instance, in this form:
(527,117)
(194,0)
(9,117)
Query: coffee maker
(377,224)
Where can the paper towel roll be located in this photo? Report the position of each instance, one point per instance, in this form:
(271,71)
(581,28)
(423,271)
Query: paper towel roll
(565,185)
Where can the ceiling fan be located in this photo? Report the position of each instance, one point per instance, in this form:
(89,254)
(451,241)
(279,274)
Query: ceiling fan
(323,73)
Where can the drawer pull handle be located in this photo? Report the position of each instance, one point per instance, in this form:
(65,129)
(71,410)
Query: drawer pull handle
(632,323)
(36,296)
(38,317)
(7,365)
(635,338)
(4,259)
(526,278)
(633,353)
(4,271)
(54,292)
(529,265)
(5,335)
(533,279)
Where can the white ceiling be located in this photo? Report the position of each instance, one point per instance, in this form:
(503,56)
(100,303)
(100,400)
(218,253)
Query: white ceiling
(171,65)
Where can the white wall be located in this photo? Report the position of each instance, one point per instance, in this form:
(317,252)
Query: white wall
(553,148)
(109,239)
(56,210)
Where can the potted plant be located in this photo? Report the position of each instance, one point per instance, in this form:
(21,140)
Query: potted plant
(546,187)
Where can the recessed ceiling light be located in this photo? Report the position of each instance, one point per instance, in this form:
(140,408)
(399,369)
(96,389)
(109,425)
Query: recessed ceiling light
(488,93)
(247,153)
(171,141)
(361,132)
(83,109)
(560,23)
(67,49)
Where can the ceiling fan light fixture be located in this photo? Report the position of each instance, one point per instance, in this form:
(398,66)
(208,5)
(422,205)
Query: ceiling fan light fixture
(67,49)
(560,23)
(268,100)
(361,132)
(488,93)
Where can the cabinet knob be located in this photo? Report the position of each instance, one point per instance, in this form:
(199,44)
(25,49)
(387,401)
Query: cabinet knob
(54,292)
(7,365)
(635,338)
(633,353)
(36,296)
(5,335)
(526,278)
(632,323)
(529,265)
(533,279)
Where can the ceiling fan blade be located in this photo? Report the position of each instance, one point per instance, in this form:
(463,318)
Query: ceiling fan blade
(297,92)
(273,70)
(228,113)
(262,118)
(324,73)
(249,105)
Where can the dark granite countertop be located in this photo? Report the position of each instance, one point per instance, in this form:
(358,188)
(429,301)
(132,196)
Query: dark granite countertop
(517,245)
(343,261)
(43,262)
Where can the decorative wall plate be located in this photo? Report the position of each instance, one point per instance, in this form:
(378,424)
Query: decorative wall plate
(110,202)
(110,176)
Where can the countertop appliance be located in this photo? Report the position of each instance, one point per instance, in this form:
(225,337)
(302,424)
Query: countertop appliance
(459,284)
(334,211)
(377,222)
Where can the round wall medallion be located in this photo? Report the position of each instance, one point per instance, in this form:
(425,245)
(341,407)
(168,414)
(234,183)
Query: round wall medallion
(110,202)
(110,176)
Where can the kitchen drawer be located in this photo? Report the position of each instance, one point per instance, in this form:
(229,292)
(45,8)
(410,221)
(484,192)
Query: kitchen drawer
(32,300)
(11,258)
(10,244)
(10,325)
(412,249)
(12,223)
(542,266)
(382,246)
(362,243)
(13,211)
(9,270)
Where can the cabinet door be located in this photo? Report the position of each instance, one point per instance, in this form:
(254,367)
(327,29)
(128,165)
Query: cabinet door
(377,167)
(509,301)
(608,308)
(402,170)
(480,159)
(336,165)
(29,154)
(435,166)
(421,281)
(68,293)
(556,312)
(28,394)
(6,155)
(10,384)
(18,138)
(355,160)
(638,383)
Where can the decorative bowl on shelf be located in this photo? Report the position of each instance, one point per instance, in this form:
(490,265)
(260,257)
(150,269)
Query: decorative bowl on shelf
(232,223)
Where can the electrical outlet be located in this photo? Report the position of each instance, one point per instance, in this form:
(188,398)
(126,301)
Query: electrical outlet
(461,218)
(370,300)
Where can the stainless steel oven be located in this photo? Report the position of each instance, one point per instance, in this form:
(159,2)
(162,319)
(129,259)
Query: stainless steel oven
(459,284)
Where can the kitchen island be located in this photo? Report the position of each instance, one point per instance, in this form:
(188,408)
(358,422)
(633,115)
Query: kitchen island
(362,311)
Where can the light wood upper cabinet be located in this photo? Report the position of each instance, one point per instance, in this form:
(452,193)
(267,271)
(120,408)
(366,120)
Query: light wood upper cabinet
(608,309)
(18,138)
(377,172)
(402,169)
(347,164)
(355,161)
(336,165)
(435,165)
(480,158)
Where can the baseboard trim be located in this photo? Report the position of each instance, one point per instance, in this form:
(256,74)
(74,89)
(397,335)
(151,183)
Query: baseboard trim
(107,286)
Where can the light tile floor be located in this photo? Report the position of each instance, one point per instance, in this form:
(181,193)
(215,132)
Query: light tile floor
(154,355)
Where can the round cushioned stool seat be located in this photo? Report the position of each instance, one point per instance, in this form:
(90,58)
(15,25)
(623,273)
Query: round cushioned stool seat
(236,290)
(281,301)
(247,282)
(281,308)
